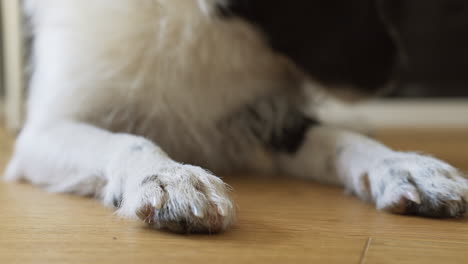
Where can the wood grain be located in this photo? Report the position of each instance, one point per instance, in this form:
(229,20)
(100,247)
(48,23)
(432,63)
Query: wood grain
(280,221)
(386,251)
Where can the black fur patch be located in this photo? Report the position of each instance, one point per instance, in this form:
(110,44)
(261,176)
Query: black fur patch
(278,124)
(339,42)
(291,136)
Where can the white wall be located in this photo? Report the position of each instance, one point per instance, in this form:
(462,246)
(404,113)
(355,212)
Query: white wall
(403,113)
(12,47)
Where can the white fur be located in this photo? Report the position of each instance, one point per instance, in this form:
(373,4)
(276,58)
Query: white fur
(376,173)
(113,78)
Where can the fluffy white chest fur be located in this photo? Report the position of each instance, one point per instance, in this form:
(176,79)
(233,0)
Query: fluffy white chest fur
(125,93)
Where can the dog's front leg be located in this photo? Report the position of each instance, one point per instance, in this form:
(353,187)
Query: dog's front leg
(127,171)
(396,181)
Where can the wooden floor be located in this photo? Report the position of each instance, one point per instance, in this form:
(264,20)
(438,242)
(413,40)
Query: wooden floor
(280,221)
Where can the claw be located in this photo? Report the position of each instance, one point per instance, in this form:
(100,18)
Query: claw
(223,209)
(412,196)
(156,203)
(198,213)
(146,214)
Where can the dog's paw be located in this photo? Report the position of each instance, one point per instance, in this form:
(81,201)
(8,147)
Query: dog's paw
(414,184)
(182,199)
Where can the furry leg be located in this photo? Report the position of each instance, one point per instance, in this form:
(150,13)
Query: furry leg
(396,181)
(127,171)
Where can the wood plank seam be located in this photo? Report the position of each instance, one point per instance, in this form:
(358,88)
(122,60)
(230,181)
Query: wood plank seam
(366,249)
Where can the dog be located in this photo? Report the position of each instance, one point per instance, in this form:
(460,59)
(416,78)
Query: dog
(133,101)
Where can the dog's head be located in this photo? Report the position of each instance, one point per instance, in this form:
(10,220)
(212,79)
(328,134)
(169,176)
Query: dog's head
(339,42)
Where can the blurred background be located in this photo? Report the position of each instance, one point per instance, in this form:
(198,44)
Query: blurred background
(432,87)
(434,34)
